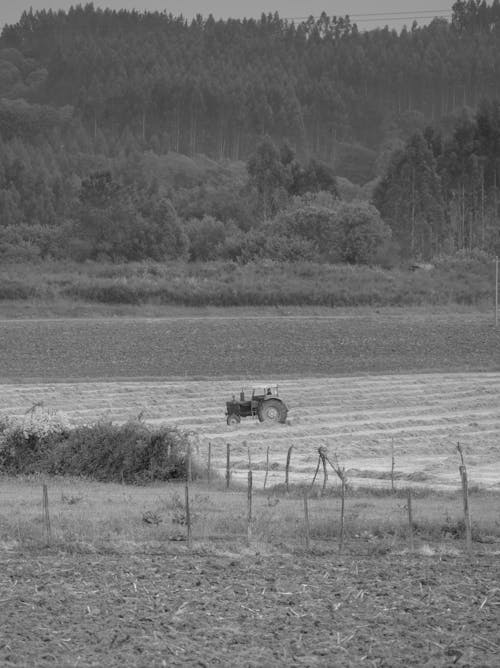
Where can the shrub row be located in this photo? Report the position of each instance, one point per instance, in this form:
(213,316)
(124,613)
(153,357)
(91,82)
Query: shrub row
(131,452)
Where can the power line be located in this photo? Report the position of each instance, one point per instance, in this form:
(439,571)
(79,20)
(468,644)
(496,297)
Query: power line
(383,16)
(411,17)
(375,14)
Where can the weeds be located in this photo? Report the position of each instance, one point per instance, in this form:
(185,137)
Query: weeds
(460,280)
(90,516)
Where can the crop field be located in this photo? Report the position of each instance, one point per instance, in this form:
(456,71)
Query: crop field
(364,420)
(373,389)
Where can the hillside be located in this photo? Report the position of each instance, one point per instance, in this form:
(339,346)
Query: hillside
(131,136)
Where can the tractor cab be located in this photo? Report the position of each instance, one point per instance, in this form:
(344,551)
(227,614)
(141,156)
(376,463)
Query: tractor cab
(266,391)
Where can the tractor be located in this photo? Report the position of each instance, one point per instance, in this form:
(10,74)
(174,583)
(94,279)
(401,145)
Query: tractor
(264,404)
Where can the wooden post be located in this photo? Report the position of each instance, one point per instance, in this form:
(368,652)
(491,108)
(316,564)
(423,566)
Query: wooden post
(46,516)
(228,465)
(392,466)
(287,467)
(189,472)
(249,455)
(342,513)
(340,471)
(249,503)
(307,526)
(322,455)
(316,472)
(465,493)
(209,465)
(188,510)
(410,523)
(267,467)
(496,291)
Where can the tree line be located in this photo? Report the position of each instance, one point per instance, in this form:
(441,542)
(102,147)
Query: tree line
(387,143)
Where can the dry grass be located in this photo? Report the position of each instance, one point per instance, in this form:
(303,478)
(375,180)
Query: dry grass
(95,517)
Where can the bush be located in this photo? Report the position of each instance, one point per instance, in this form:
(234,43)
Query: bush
(133,452)
(26,444)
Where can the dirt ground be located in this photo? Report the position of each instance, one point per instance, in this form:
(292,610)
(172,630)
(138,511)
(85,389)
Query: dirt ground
(249,609)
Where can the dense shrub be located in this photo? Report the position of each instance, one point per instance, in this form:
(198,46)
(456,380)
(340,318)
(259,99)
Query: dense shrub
(26,444)
(132,452)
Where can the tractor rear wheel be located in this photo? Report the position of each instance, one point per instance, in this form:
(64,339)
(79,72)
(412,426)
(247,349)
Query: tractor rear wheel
(272,410)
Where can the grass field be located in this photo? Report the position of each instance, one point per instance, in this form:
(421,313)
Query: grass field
(111,589)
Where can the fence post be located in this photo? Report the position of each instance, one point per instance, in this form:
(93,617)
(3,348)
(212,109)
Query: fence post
(496,291)
(209,465)
(46,516)
(267,467)
(245,444)
(249,501)
(410,523)
(188,510)
(392,466)
(306,519)
(228,465)
(287,467)
(465,493)
(342,512)
(316,472)
(322,456)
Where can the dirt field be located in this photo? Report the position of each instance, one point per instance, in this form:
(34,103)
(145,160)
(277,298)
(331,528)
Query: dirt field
(223,609)
(249,346)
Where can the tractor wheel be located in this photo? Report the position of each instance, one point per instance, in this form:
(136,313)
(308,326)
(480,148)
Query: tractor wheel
(272,410)
(233,419)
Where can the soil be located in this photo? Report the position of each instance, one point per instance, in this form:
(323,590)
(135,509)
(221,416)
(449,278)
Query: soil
(243,609)
(241,346)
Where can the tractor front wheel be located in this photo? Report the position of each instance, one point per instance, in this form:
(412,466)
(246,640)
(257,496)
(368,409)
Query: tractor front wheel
(272,410)
(233,419)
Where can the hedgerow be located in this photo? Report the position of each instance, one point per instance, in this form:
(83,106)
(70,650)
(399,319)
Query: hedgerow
(43,442)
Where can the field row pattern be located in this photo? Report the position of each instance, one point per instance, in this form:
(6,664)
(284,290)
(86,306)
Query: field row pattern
(359,418)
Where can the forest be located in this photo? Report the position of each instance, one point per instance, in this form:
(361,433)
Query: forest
(129,136)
